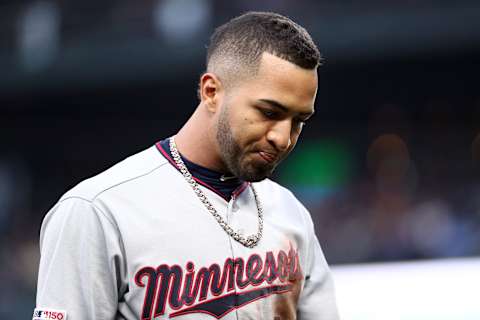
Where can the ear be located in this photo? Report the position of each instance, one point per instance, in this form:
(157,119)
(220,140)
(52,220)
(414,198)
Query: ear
(210,91)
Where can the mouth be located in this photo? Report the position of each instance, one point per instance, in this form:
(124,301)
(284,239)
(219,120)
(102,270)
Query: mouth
(268,157)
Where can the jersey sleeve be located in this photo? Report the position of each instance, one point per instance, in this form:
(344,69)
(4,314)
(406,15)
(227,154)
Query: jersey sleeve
(81,264)
(317,300)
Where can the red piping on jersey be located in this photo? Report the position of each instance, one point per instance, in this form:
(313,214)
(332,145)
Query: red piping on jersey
(235,193)
(240,189)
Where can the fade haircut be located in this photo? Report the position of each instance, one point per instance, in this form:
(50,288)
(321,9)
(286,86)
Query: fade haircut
(236,47)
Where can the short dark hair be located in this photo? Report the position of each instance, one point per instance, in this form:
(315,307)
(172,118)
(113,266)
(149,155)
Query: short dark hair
(246,37)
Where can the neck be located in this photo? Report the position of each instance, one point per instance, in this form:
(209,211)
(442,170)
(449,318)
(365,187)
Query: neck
(196,141)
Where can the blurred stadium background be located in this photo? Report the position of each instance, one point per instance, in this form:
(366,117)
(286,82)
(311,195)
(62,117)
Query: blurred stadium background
(389,166)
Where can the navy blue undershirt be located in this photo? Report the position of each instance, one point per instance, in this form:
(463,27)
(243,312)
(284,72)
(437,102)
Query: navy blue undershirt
(209,177)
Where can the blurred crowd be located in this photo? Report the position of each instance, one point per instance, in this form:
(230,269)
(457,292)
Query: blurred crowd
(416,195)
(378,220)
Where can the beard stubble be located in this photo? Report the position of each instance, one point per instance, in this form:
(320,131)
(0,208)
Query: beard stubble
(232,154)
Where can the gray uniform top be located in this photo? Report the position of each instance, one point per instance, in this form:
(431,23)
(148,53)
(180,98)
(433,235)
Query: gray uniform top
(134,242)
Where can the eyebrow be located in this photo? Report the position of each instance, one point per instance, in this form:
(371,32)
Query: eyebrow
(284,108)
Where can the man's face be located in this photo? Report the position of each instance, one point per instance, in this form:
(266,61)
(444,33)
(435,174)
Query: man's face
(261,118)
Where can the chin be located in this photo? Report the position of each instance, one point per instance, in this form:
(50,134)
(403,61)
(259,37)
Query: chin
(255,174)
(255,178)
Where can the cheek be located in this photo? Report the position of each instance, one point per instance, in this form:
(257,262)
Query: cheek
(248,130)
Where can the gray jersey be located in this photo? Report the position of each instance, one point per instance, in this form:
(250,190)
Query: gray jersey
(135,242)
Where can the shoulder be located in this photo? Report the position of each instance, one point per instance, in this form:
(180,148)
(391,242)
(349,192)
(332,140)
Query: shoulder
(276,194)
(276,191)
(127,171)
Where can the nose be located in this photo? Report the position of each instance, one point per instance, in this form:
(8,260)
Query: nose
(279,135)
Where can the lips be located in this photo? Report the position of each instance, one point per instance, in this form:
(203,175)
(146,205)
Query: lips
(268,157)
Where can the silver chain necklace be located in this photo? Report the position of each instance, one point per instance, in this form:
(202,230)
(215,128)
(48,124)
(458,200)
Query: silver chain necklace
(249,241)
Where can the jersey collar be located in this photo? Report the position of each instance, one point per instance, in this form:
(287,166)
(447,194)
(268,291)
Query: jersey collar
(225,186)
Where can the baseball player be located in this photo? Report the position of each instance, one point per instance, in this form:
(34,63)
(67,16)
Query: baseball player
(192,228)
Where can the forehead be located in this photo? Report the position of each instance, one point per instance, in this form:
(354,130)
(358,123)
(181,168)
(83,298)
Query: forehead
(280,80)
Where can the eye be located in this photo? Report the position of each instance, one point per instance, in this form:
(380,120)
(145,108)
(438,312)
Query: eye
(268,113)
